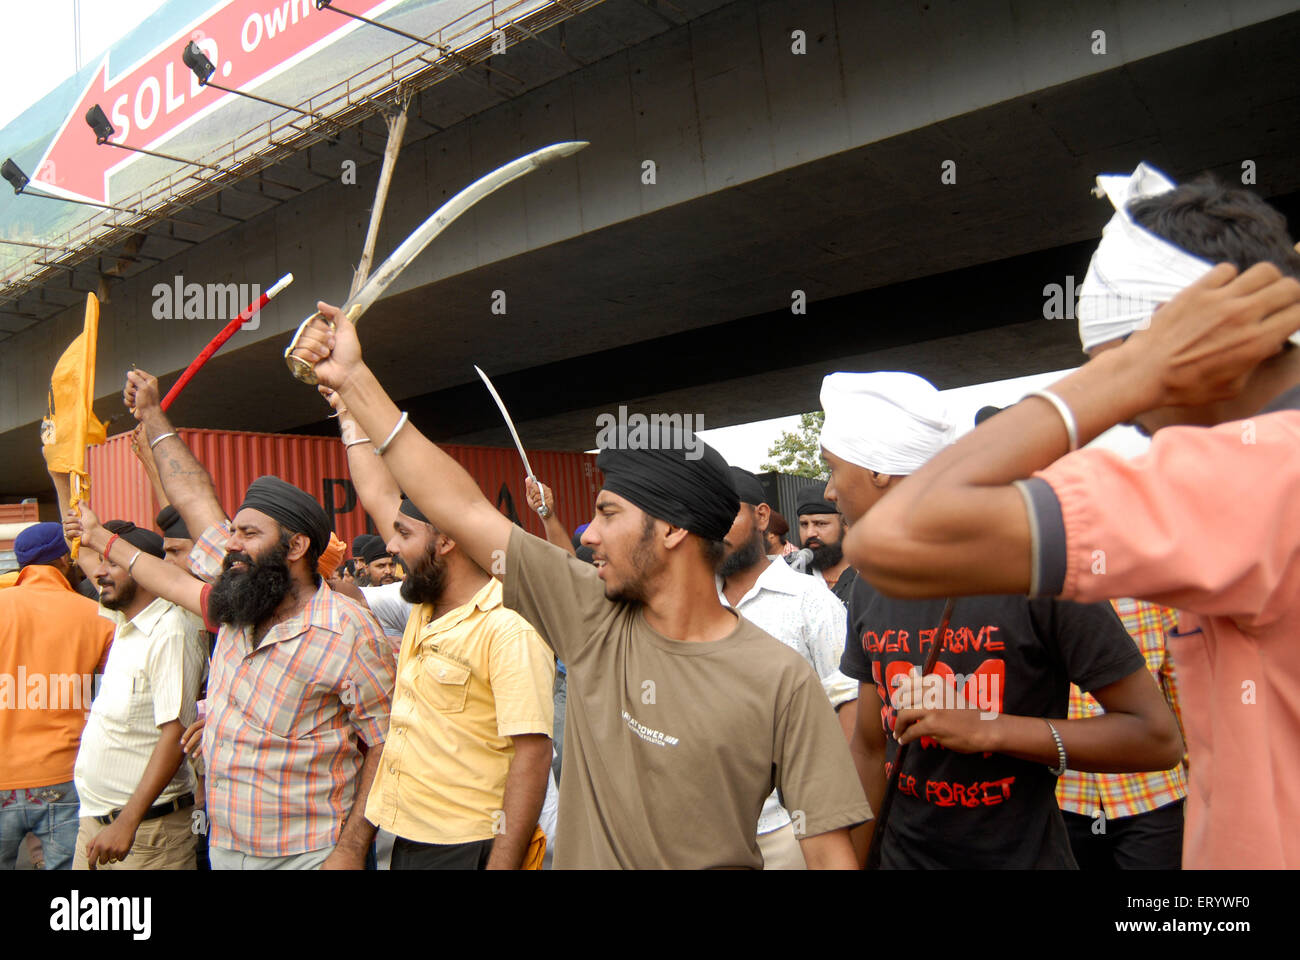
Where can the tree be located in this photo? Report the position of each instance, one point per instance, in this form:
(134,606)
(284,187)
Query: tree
(800,452)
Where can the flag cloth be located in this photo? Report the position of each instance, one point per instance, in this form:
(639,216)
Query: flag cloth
(71,424)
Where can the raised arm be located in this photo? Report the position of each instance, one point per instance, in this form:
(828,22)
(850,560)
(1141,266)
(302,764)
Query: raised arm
(958,526)
(157,576)
(144,453)
(63,492)
(185,483)
(378,492)
(555,532)
(437,484)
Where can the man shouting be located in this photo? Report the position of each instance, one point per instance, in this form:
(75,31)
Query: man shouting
(684,716)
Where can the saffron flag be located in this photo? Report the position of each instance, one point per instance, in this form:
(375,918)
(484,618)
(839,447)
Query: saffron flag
(71,424)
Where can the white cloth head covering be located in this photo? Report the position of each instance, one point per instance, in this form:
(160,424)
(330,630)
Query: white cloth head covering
(1132,271)
(888,422)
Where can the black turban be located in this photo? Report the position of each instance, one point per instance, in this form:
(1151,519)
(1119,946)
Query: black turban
(409,508)
(173,527)
(360,542)
(373,550)
(812,500)
(748,487)
(290,507)
(138,537)
(696,494)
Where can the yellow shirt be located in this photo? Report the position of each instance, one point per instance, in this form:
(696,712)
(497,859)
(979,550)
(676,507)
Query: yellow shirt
(466,683)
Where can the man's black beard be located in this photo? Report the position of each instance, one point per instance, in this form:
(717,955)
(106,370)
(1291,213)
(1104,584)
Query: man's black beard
(247,598)
(124,598)
(827,555)
(744,557)
(642,561)
(425,581)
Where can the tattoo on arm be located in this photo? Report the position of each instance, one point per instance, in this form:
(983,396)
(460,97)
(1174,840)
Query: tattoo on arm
(188,485)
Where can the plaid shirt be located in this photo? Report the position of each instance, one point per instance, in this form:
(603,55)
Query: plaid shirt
(283,720)
(1125,794)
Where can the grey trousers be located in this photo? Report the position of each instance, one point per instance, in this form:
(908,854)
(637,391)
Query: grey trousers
(231,860)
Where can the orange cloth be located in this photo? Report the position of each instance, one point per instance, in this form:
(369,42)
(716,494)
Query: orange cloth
(1226,555)
(536,851)
(52,641)
(71,423)
(331,556)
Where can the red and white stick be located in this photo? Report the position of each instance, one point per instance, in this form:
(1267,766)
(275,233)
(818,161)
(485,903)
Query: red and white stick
(227,332)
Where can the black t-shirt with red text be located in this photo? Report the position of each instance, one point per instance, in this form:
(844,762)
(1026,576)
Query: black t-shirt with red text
(1008,654)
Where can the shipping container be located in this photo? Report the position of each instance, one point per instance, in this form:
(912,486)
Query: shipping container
(120,489)
(14,519)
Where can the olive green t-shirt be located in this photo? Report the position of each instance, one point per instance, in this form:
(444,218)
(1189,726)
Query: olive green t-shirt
(671,747)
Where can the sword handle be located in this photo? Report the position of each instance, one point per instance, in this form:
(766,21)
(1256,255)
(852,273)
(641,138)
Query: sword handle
(300,368)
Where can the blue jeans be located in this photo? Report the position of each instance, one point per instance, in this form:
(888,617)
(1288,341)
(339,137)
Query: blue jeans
(50,813)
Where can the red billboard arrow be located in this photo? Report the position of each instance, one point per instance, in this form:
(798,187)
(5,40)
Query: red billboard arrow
(157,97)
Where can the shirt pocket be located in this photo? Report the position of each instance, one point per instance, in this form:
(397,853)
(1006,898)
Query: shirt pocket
(124,698)
(141,698)
(446,683)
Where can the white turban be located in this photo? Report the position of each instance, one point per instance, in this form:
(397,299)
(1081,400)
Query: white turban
(1132,271)
(891,423)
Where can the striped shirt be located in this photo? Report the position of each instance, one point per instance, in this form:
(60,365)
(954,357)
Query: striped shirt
(284,720)
(152,677)
(1125,794)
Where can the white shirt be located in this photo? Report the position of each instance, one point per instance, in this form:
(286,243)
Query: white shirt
(802,613)
(152,677)
(389,608)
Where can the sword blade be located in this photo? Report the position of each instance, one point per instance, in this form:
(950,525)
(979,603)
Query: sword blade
(448,213)
(423,235)
(509,422)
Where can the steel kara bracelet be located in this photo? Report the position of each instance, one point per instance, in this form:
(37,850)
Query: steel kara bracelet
(1059,769)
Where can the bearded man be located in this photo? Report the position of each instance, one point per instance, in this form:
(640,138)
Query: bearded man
(381,569)
(466,768)
(301,676)
(684,715)
(800,612)
(821,530)
(137,796)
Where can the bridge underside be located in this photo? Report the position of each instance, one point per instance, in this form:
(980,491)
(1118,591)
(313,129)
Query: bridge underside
(687,308)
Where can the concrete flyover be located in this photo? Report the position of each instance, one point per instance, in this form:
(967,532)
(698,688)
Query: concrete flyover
(774,172)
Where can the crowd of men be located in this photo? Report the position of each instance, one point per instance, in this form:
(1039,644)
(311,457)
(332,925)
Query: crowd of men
(999,652)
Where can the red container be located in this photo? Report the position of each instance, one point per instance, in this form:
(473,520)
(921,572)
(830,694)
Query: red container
(120,490)
(15,516)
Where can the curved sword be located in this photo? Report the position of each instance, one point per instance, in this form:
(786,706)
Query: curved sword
(423,235)
(519,444)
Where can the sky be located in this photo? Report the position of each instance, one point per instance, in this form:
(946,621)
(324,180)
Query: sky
(746,445)
(37,53)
